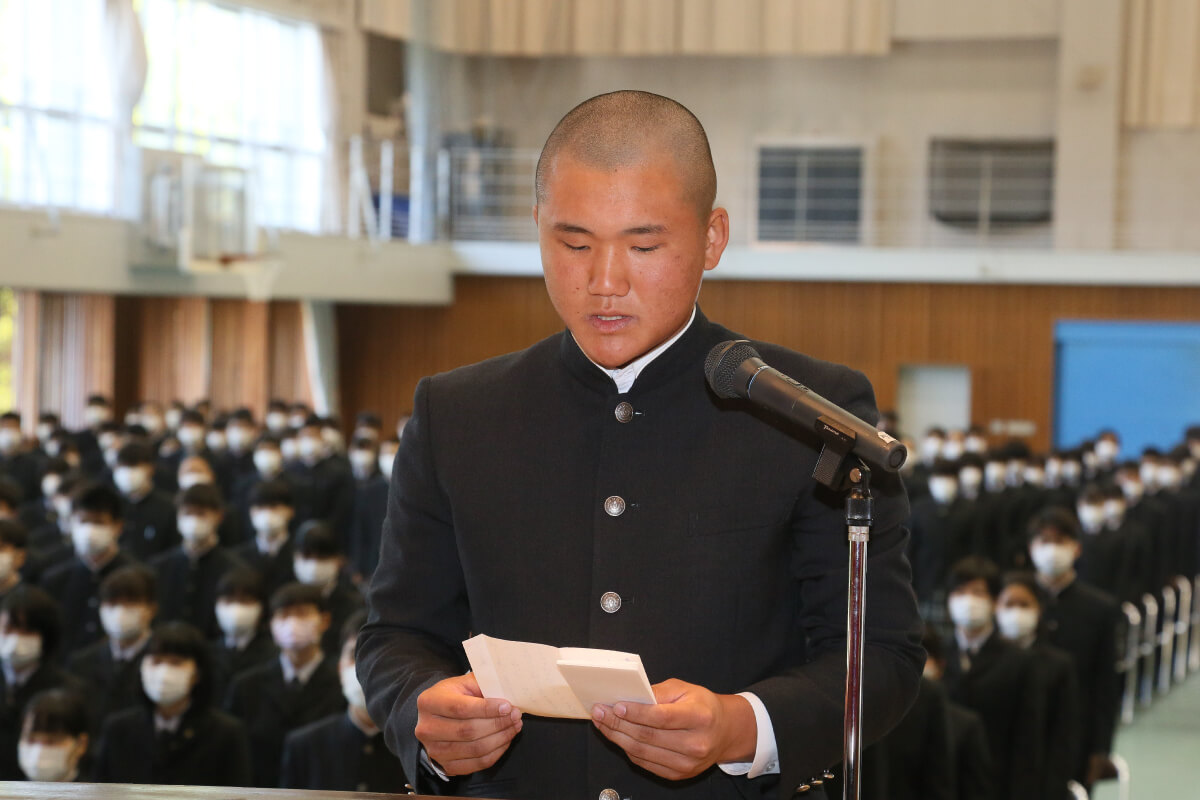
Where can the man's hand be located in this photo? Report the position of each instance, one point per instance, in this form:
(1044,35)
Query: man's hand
(461,731)
(688,731)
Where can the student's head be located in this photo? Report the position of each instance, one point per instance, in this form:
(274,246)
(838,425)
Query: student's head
(150,416)
(215,439)
(298,415)
(128,603)
(1090,508)
(134,473)
(10,433)
(1019,606)
(52,476)
(331,437)
(277,416)
(310,440)
(299,617)
(10,498)
(626,226)
(271,509)
(1108,447)
(14,546)
(95,520)
(98,411)
(364,456)
(351,688)
(972,587)
(318,557)
(1115,506)
(387,455)
(241,431)
(199,510)
(943,481)
(240,601)
(54,735)
(1054,543)
(368,425)
(268,456)
(191,431)
(175,665)
(970,473)
(194,470)
(29,627)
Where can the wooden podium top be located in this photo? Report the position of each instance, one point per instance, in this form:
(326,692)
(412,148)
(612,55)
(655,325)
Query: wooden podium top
(22,790)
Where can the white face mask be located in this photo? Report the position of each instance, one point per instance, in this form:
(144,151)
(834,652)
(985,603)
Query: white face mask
(287,448)
(276,421)
(10,440)
(62,508)
(1091,517)
(975,444)
(131,480)
(239,437)
(20,650)
(167,683)
(970,611)
(50,484)
(1114,512)
(385,463)
(152,423)
(173,417)
(362,462)
(952,449)
(96,415)
(995,474)
(44,431)
(122,622)
(1035,476)
(1052,560)
(333,440)
(297,421)
(1169,476)
(90,539)
(351,689)
(267,462)
(1071,471)
(971,478)
(1148,471)
(238,619)
(309,448)
(189,479)
(931,447)
(268,522)
(293,633)
(190,436)
(1107,451)
(47,762)
(943,489)
(1016,623)
(215,441)
(195,529)
(315,571)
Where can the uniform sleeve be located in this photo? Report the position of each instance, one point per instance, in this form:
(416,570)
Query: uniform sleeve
(806,702)
(417,606)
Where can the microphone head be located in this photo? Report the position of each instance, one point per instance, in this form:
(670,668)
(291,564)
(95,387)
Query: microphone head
(721,367)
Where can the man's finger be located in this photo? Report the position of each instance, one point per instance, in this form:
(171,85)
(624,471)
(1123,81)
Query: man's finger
(657,759)
(436,728)
(665,716)
(451,750)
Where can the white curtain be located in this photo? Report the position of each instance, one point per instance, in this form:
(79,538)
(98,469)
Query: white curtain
(319,325)
(333,90)
(127,62)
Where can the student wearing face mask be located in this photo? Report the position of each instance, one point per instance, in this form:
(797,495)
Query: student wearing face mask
(39,512)
(96,413)
(319,562)
(370,507)
(244,641)
(1018,614)
(14,545)
(188,574)
(269,465)
(1082,621)
(196,471)
(970,758)
(174,736)
(1112,555)
(51,544)
(29,637)
(95,522)
(328,475)
(149,514)
(271,552)
(241,432)
(298,688)
(994,678)
(109,667)
(276,419)
(54,737)
(1152,514)
(17,462)
(940,537)
(343,752)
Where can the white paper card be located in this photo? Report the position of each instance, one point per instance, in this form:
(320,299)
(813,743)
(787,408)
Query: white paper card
(556,682)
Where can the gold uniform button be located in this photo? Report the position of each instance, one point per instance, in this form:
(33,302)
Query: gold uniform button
(610,794)
(614,506)
(623,412)
(610,602)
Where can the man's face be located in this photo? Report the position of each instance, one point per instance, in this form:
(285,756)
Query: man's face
(623,252)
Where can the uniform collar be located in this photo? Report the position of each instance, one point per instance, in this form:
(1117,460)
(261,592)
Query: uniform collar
(625,376)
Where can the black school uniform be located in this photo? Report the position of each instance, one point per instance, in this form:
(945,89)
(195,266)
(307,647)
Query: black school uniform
(13,700)
(370,507)
(332,497)
(229,660)
(149,525)
(271,709)
(341,603)
(1083,621)
(335,755)
(275,570)
(187,587)
(209,748)
(917,751)
(1055,671)
(76,587)
(998,682)
(112,685)
(971,755)
(940,537)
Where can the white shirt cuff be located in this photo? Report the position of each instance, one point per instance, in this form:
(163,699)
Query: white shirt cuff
(428,764)
(766,752)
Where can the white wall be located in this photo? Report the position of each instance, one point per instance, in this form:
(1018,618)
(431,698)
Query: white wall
(897,103)
(1159,190)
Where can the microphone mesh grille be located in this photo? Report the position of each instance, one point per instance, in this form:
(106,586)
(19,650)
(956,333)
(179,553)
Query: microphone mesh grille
(721,366)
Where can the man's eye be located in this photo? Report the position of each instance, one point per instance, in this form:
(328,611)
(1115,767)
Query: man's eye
(575,248)
(650,249)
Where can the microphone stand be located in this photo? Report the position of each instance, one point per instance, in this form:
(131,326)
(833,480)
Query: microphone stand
(838,443)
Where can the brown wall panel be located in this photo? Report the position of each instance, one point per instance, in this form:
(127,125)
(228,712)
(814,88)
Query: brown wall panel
(1004,334)
(288,370)
(240,346)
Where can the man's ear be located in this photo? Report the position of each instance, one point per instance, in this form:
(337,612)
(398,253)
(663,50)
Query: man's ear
(535,215)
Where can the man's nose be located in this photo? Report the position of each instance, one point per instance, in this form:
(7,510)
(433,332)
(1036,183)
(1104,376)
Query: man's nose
(609,274)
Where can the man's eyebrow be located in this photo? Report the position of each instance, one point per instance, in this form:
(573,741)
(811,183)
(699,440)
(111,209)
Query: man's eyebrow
(645,230)
(566,227)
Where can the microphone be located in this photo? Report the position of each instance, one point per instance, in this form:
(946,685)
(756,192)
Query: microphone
(735,369)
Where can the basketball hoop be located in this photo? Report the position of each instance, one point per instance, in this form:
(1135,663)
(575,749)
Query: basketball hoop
(257,272)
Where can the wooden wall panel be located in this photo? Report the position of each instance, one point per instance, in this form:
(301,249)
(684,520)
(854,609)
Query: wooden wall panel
(173,341)
(287,368)
(240,345)
(1004,334)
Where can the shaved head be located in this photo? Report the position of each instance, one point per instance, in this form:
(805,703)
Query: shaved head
(630,128)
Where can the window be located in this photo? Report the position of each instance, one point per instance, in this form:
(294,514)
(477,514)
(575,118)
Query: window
(810,194)
(242,89)
(57,138)
(991,183)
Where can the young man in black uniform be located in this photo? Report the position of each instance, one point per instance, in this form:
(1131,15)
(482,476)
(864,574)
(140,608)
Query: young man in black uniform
(149,514)
(299,687)
(319,562)
(271,552)
(244,641)
(343,752)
